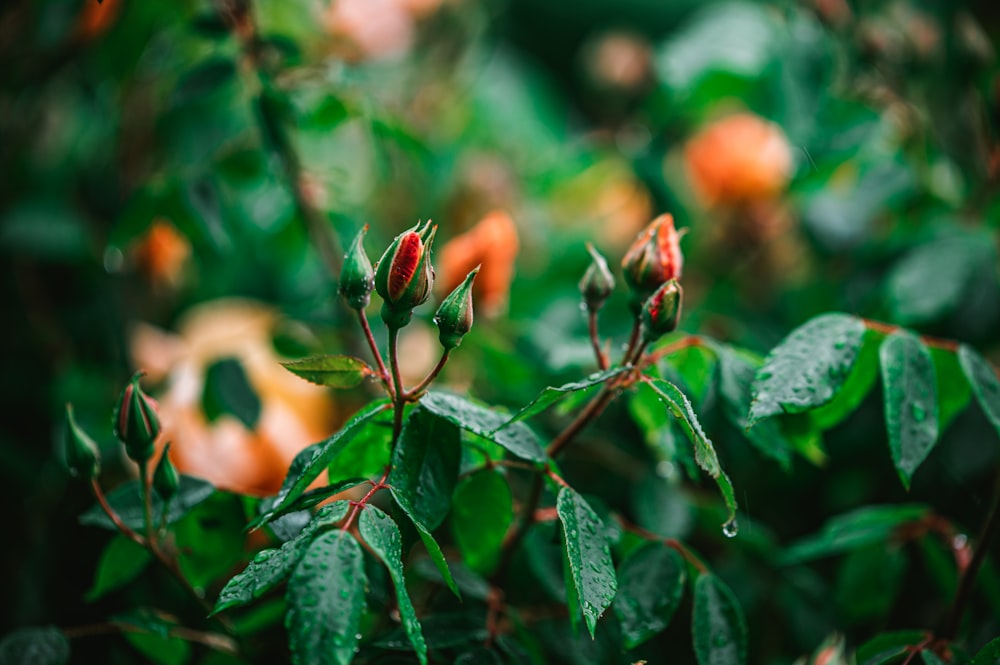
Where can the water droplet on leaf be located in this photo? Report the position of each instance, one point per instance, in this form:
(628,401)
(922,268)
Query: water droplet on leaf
(731,528)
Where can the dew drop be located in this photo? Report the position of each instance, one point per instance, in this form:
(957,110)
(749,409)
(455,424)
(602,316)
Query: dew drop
(960,541)
(731,528)
(380,515)
(262,556)
(918,412)
(357,636)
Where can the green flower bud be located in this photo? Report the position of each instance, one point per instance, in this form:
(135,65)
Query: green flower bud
(454,316)
(165,477)
(137,421)
(404,275)
(598,282)
(357,278)
(662,311)
(82,457)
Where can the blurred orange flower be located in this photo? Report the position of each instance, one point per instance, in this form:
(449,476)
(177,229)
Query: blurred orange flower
(738,159)
(294,414)
(161,254)
(491,243)
(96,18)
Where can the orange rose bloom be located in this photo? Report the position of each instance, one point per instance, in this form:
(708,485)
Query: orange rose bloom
(492,243)
(162,253)
(737,159)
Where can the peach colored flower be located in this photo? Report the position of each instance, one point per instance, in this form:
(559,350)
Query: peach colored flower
(294,414)
(491,243)
(737,159)
(96,18)
(162,253)
(373,29)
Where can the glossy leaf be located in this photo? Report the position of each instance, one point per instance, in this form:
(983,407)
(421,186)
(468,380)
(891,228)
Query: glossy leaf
(382,535)
(808,368)
(588,555)
(483,510)
(865,526)
(227,390)
(984,382)
(650,587)
(888,646)
(425,465)
(908,386)
(270,567)
(331,371)
(35,646)
(326,598)
(852,392)
(551,395)
(433,549)
(517,439)
(717,624)
(988,655)
(704,451)
(126,500)
(121,561)
(304,502)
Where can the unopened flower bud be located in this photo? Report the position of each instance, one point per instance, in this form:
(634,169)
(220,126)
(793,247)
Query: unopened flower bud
(165,477)
(357,278)
(654,258)
(82,457)
(454,316)
(137,421)
(404,275)
(598,282)
(662,311)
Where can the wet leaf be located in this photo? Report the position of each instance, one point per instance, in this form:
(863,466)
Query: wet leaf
(483,510)
(425,465)
(865,526)
(588,555)
(988,655)
(551,395)
(650,587)
(518,439)
(717,625)
(126,500)
(121,561)
(888,646)
(304,502)
(984,382)
(331,371)
(433,549)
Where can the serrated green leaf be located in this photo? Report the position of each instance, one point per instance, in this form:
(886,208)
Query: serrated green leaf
(517,439)
(425,465)
(326,598)
(650,587)
(865,526)
(988,655)
(270,567)
(886,647)
(983,380)
(331,371)
(908,386)
(483,510)
(227,390)
(433,549)
(717,624)
(808,368)
(304,502)
(121,561)
(858,384)
(588,554)
(382,535)
(312,461)
(35,646)
(704,451)
(551,395)
(126,500)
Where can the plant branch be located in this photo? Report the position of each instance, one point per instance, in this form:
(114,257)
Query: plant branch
(416,392)
(672,543)
(125,530)
(592,410)
(399,395)
(383,372)
(214,641)
(356,506)
(595,341)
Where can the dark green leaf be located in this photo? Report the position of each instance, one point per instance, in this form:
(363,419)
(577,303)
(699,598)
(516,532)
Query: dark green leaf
(331,371)
(425,465)
(808,368)
(159,650)
(865,526)
(126,500)
(121,561)
(650,587)
(704,451)
(952,388)
(211,539)
(368,453)
(888,646)
(931,658)
(228,391)
(551,395)
(984,382)
(270,567)
(326,598)
(695,367)
(479,656)
(868,581)
(35,646)
(517,439)
(382,535)
(717,625)
(203,80)
(910,401)
(859,382)
(588,554)
(988,655)
(304,502)
(433,549)
(483,510)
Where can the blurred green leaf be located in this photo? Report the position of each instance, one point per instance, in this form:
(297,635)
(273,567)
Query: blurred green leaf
(988,655)
(650,587)
(551,395)
(403,500)
(588,555)
(331,371)
(983,380)
(858,528)
(121,561)
(888,647)
(126,501)
(869,580)
(482,511)
(210,539)
(228,391)
(35,646)
(718,626)
(951,386)
(425,465)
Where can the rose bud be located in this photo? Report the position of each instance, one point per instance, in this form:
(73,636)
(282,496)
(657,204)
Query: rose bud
(654,258)
(82,457)
(454,316)
(137,421)
(165,477)
(404,275)
(598,282)
(662,311)
(357,278)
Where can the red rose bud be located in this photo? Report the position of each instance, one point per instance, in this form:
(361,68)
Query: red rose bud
(82,457)
(454,316)
(662,311)
(137,421)
(598,282)
(357,278)
(654,258)
(404,275)
(165,477)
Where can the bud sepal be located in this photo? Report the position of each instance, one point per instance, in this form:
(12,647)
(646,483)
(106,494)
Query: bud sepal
(166,480)
(454,316)
(357,277)
(82,456)
(137,421)
(661,311)
(597,283)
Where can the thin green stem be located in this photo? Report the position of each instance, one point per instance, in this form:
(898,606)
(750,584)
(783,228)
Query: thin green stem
(370,338)
(125,530)
(399,395)
(147,499)
(422,386)
(592,410)
(595,340)
(632,341)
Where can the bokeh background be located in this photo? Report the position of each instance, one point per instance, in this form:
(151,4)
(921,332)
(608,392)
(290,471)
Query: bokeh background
(179,180)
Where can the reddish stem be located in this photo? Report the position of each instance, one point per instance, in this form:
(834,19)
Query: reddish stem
(358,505)
(382,371)
(672,543)
(602,358)
(934,342)
(414,394)
(113,516)
(659,354)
